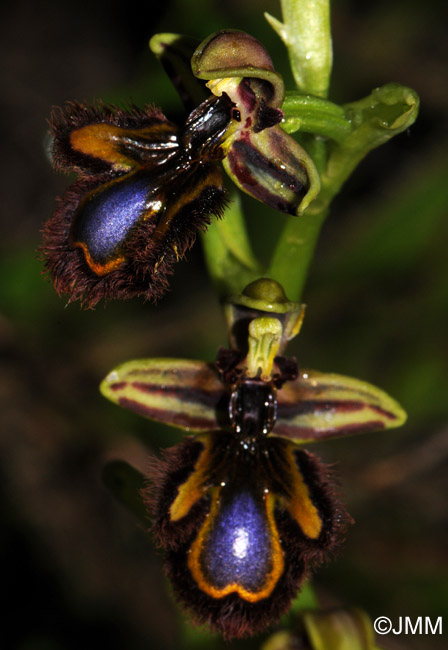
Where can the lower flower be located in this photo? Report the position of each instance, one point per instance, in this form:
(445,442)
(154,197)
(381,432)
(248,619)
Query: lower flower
(243,513)
(242,523)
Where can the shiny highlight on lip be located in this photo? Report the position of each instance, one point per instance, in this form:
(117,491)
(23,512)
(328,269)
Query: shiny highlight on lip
(253,557)
(242,525)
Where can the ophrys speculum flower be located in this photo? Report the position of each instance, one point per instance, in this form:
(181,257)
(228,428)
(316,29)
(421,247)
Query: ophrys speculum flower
(146,186)
(243,513)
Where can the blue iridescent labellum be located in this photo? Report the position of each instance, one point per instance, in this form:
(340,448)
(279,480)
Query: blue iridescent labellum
(243,522)
(144,189)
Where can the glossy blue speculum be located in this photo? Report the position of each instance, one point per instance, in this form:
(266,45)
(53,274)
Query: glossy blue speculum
(106,217)
(238,548)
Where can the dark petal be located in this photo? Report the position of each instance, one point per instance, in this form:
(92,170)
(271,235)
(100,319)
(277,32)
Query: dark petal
(267,117)
(253,408)
(205,128)
(174,52)
(95,139)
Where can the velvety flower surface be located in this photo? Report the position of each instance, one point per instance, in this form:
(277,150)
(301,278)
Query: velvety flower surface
(242,512)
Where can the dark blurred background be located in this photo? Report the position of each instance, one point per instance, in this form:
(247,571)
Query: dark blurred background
(78,571)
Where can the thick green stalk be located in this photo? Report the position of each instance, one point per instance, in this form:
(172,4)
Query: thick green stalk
(294,252)
(310,114)
(228,254)
(306,33)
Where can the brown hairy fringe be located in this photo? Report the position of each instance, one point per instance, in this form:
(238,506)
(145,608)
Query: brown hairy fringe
(232,616)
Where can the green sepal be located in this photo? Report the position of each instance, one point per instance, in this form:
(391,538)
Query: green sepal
(179,392)
(317,406)
(174,51)
(233,53)
(388,110)
(338,629)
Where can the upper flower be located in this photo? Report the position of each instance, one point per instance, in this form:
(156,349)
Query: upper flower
(145,185)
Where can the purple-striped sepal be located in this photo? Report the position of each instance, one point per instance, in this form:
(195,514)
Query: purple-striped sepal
(192,396)
(261,158)
(252,387)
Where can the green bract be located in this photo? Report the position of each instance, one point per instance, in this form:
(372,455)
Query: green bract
(338,629)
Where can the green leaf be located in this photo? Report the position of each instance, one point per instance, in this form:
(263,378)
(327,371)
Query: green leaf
(126,484)
(228,254)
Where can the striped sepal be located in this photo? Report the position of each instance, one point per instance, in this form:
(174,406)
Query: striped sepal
(179,392)
(317,406)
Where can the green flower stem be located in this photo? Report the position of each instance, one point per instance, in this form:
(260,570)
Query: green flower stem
(311,114)
(228,254)
(294,251)
(306,34)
